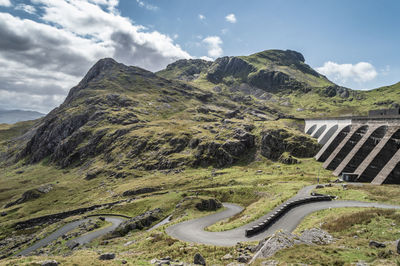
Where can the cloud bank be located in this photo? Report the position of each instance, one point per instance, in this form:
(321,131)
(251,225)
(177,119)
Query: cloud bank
(342,73)
(41,60)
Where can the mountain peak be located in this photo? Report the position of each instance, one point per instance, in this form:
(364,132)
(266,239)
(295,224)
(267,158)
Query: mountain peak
(283,56)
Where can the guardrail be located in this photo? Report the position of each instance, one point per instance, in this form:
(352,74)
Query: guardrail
(281,211)
(108,214)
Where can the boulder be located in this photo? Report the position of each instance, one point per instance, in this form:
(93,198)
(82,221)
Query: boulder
(376,244)
(282,240)
(243,258)
(227,257)
(137,223)
(398,247)
(139,191)
(208,205)
(199,260)
(49,263)
(72,244)
(107,256)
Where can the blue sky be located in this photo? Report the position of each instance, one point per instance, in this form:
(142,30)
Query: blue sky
(46,46)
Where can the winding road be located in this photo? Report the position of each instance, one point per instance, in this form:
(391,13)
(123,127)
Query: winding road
(193,230)
(83,239)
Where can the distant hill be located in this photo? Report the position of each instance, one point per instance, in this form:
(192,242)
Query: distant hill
(281,80)
(14,116)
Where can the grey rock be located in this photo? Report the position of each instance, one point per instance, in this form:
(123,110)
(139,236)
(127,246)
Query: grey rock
(243,258)
(398,247)
(208,205)
(198,259)
(139,222)
(107,256)
(376,244)
(229,66)
(72,244)
(49,263)
(227,257)
(282,240)
(139,191)
(45,188)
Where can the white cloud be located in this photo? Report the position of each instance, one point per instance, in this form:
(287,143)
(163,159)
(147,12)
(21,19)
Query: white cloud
(202,17)
(231,18)
(206,58)
(175,36)
(147,5)
(214,46)
(43,60)
(6,3)
(360,72)
(26,8)
(224,31)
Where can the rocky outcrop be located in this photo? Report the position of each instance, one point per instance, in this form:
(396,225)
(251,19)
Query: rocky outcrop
(281,240)
(335,90)
(137,223)
(224,154)
(275,142)
(107,256)
(31,194)
(198,259)
(139,191)
(185,69)
(208,205)
(229,66)
(275,81)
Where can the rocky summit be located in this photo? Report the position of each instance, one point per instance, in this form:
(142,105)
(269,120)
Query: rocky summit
(173,167)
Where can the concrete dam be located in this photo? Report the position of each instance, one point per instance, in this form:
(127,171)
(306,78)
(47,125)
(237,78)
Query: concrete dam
(362,149)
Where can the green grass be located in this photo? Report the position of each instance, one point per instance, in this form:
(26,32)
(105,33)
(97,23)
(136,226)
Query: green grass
(352,228)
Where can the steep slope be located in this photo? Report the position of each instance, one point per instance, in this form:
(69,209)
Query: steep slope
(119,120)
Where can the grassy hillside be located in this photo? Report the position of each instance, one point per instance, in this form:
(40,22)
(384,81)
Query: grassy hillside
(196,130)
(305,93)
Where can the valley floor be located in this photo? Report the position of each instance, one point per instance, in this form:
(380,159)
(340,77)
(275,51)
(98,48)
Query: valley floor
(258,188)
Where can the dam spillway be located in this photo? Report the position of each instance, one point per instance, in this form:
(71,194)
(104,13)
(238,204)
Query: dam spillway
(367,148)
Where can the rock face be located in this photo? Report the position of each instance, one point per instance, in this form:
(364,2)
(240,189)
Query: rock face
(106,117)
(186,69)
(107,256)
(49,263)
(224,154)
(209,205)
(275,142)
(281,240)
(376,244)
(198,259)
(275,81)
(137,223)
(139,191)
(398,247)
(229,66)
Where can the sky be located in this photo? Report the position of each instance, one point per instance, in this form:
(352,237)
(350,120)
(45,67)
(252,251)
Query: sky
(47,46)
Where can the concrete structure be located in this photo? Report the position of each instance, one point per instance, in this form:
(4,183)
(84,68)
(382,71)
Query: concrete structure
(368,147)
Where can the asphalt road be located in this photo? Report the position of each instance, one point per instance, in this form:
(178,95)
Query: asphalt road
(71,226)
(193,230)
